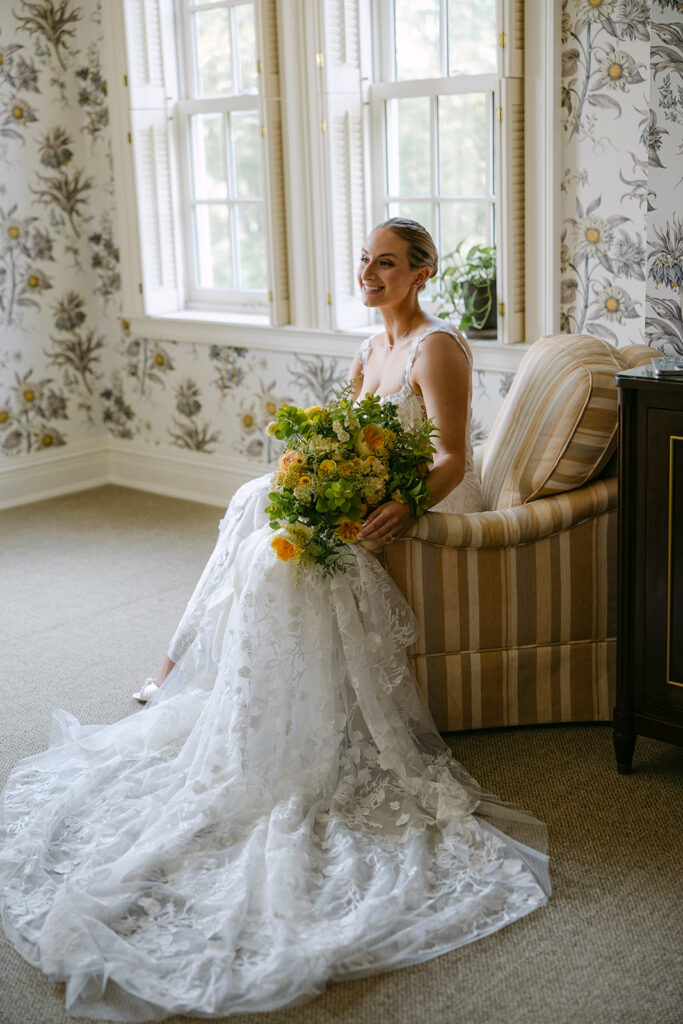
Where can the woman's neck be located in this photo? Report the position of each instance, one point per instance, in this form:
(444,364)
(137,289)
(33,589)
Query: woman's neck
(400,322)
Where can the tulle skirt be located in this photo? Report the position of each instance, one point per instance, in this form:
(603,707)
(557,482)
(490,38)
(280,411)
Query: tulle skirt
(282,814)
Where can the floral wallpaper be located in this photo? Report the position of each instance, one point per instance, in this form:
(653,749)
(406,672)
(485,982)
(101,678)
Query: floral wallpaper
(664,299)
(70,369)
(58,280)
(622,115)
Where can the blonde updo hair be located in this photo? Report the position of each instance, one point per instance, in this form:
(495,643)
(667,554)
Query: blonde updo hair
(421,249)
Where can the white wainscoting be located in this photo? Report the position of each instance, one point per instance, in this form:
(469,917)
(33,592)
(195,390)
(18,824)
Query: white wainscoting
(47,474)
(193,476)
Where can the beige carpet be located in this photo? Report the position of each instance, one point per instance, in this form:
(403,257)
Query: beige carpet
(92,586)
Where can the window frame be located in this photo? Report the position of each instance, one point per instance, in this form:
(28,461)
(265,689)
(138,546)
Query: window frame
(309,328)
(380,93)
(386,87)
(237,300)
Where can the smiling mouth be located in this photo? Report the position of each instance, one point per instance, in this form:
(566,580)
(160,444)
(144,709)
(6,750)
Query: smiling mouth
(373,288)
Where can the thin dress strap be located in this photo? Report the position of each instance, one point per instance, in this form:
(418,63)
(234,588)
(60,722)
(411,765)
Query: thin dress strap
(411,359)
(445,329)
(364,352)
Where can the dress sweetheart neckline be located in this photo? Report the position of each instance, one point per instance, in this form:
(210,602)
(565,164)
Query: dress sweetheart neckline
(404,389)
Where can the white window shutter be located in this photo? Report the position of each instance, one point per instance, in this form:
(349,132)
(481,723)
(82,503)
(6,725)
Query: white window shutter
(274,164)
(343,129)
(152,85)
(510,274)
(512,38)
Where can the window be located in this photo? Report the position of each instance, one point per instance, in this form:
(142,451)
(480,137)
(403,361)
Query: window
(223,188)
(205,150)
(433,117)
(339,113)
(447,112)
(427,121)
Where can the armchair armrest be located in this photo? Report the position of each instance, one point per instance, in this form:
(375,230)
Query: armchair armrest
(524,523)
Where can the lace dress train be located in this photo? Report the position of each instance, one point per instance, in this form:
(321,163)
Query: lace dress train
(283,813)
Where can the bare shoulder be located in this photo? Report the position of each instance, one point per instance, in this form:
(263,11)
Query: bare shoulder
(440,352)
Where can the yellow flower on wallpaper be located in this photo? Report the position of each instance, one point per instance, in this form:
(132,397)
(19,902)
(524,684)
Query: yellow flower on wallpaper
(617,70)
(613,304)
(270,405)
(593,236)
(594,10)
(249,421)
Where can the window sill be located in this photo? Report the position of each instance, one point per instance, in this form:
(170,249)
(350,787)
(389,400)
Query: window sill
(254,332)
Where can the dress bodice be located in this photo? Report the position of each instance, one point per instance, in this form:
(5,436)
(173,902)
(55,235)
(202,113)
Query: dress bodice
(466,497)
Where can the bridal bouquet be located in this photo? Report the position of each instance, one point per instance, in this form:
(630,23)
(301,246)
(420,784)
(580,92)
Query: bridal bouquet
(341,461)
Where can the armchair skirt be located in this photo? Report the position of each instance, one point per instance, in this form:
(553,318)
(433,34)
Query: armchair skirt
(516,610)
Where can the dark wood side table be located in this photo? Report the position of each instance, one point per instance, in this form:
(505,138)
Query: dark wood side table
(649,698)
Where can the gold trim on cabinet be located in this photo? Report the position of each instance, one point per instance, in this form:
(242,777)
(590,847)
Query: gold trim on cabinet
(672,438)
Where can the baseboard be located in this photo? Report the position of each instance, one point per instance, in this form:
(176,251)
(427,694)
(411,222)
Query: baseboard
(192,476)
(48,474)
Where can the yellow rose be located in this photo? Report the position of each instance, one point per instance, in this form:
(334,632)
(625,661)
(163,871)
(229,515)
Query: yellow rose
(368,439)
(327,466)
(348,530)
(284,549)
(312,411)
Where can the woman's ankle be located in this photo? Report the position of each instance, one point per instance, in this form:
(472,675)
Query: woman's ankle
(165,670)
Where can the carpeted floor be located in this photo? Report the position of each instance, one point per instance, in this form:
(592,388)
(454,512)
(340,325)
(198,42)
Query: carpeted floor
(92,587)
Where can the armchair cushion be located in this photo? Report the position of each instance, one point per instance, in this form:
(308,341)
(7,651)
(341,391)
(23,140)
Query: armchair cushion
(638,355)
(557,427)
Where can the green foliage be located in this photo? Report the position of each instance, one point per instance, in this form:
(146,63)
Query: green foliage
(466,282)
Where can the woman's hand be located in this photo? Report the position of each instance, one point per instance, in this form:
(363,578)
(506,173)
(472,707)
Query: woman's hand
(387,523)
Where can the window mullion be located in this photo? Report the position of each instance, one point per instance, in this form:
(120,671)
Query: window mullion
(434,157)
(434,86)
(188,82)
(491,185)
(234,45)
(232,193)
(219,104)
(443,16)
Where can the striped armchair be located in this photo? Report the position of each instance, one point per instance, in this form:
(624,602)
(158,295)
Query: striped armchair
(517,604)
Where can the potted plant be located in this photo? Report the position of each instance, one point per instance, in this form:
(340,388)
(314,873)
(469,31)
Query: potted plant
(467,289)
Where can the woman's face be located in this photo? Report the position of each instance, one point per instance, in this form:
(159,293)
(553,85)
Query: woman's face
(385,276)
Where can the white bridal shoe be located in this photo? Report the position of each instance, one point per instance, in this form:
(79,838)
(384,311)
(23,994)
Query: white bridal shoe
(146,691)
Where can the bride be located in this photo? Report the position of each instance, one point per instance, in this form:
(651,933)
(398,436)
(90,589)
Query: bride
(283,813)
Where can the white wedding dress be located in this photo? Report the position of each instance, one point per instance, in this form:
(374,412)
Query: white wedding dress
(283,813)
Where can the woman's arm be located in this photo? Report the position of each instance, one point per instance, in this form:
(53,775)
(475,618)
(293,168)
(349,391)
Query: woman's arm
(356,370)
(442,373)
